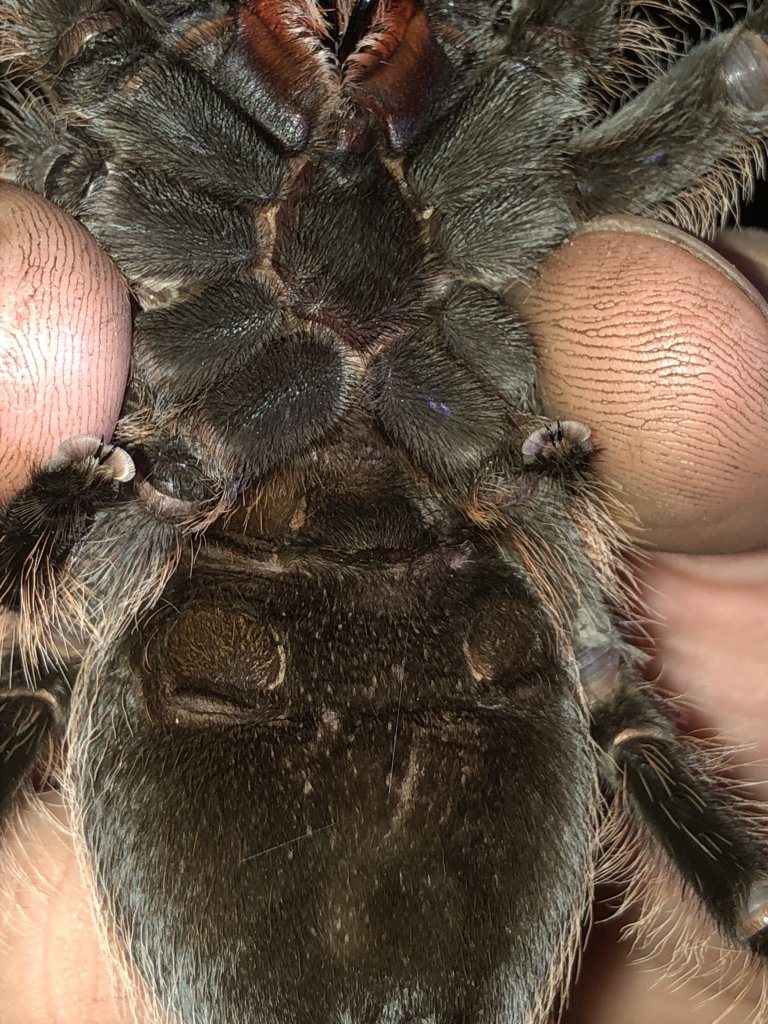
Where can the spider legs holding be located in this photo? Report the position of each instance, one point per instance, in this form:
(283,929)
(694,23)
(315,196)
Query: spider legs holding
(41,524)
(666,782)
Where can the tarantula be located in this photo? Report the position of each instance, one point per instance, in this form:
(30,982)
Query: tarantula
(339,577)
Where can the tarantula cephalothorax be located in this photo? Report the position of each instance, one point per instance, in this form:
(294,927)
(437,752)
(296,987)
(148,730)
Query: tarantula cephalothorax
(399,638)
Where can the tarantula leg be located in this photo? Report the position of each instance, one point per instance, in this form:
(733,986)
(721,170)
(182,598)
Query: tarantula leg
(30,721)
(713,846)
(41,524)
(685,146)
(562,446)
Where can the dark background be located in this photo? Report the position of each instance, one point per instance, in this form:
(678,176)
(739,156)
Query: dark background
(755,214)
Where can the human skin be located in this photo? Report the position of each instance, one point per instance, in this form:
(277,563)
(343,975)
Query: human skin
(644,335)
(662,347)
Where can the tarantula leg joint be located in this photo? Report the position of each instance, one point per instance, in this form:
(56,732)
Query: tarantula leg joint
(30,720)
(562,443)
(43,521)
(745,68)
(84,31)
(173,510)
(635,737)
(109,458)
(47,702)
(599,672)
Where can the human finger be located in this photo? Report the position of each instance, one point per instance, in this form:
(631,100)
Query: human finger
(660,345)
(65,335)
(64,354)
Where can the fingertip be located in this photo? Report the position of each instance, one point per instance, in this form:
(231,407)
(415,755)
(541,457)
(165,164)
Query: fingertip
(662,347)
(65,328)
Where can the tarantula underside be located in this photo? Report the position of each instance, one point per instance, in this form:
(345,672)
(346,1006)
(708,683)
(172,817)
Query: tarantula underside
(341,580)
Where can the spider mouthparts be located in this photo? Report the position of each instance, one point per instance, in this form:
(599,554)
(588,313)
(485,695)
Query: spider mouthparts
(347,32)
(367,30)
(305,52)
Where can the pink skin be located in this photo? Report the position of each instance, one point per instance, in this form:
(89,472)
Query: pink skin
(644,334)
(64,335)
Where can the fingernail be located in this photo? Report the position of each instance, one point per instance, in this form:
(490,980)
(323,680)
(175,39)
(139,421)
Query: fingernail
(747,251)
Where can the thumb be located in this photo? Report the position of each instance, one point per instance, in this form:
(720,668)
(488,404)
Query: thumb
(65,334)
